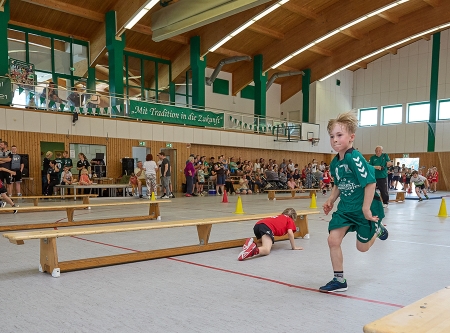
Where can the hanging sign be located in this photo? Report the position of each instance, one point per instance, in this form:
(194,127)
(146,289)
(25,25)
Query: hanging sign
(175,115)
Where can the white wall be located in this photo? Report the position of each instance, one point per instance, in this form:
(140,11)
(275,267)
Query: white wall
(49,122)
(401,79)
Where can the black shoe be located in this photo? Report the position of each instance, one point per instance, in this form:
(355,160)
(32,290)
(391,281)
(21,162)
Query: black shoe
(171,195)
(194,195)
(15,210)
(140,196)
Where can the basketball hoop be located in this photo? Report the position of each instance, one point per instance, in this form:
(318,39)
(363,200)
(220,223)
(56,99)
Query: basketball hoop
(314,141)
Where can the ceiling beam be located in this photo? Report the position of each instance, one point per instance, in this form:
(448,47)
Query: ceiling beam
(265,31)
(230,53)
(433,3)
(124,11)
(385,35)
(302,11)
(393,51)
(51,31)
(427,37)
(150,54)
(320,50)
(355,34)
(389,17)
(285,68)
(335,16)
(361,64)
(146,30)
(69,9)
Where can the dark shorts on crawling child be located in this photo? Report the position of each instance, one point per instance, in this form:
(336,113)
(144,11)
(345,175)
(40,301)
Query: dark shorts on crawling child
(261,229)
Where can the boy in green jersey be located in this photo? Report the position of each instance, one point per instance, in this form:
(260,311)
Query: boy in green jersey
(360,209)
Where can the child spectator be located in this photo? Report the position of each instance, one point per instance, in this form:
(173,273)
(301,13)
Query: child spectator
(434,179)
(244,186)
(66,176)
(326,180)
(266,229)
(201,179)
(134,184)
(360,208)
(421,183)
(84,178)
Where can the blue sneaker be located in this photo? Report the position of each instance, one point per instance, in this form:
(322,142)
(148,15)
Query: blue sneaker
(334,286)
(382,232)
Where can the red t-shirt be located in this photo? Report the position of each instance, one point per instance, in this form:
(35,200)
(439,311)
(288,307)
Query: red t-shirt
(279,224)
(326,177)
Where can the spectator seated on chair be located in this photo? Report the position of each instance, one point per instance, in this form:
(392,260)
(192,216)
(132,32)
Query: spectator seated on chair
(244,189)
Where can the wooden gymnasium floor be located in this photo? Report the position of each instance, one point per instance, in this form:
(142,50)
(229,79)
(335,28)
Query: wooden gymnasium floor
(213,291)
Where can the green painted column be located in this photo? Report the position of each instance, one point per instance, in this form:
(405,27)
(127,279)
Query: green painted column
(260,80)
(115,59)
(198,66)
(172,89)
(4,19)
(434,91)
(306,81)
(90,86)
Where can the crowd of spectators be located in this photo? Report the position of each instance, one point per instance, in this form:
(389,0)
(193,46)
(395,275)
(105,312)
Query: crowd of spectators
(236,175)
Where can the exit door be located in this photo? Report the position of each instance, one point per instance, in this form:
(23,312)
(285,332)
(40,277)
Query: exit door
(171,155)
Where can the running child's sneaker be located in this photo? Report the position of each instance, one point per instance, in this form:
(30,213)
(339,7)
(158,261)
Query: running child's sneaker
(3,204)
(420,199)
(247,243)
(382,232)
(250,251)
(428,198)
(334,286)
(15,210)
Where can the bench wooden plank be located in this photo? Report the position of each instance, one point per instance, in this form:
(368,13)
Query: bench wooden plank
(36,198)
(428,315)
(271,194)
(153,208)
(49,256)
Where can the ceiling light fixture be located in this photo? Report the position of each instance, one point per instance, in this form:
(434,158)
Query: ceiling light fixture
(150,4)
(334,32)
(247,24)
(386,49)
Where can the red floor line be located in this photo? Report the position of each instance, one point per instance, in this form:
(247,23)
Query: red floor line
(251,276)
(287,284)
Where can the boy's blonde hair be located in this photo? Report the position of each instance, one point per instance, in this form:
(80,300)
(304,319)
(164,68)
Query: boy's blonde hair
(291,213)
(349,120)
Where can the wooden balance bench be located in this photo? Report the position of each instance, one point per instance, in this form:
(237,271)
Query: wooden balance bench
(271,193)
(429,315)
(399,196)
(49,255)
(36,198)
(153,213)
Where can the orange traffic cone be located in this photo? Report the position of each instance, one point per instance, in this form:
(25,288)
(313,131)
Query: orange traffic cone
(225,197)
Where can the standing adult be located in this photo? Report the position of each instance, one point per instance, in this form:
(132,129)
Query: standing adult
(82,163)
(67,161)
(16,166)
(165,176)
(150,168)
(139,172)
(381,162)
(5,162)
(189,172)
(220,171)
(45,166)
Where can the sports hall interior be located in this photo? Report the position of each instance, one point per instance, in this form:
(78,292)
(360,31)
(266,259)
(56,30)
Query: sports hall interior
(255,79)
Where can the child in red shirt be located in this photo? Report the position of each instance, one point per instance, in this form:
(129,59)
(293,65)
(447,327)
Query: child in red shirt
(266,229)
(326,180)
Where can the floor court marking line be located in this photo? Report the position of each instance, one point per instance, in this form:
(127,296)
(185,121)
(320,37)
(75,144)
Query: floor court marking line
(287,284)
(438,245)
(251,276)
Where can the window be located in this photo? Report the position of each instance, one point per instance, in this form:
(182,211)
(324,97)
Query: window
(444,110)
(418,112)
(392,114)
(368,117)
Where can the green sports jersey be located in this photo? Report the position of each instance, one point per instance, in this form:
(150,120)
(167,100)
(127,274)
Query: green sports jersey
(351,175)
(380,161)
(59,164)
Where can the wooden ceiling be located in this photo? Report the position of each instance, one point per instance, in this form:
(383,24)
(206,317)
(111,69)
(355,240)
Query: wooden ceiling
(282,32)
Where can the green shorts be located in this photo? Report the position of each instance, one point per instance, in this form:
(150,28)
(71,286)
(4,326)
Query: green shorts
(356,222)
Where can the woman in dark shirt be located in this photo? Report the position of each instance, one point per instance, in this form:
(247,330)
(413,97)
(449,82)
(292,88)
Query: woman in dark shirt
(45,166)
(82,164)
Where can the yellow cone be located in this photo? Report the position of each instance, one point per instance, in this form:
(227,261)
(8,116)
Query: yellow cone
(313,201)
(239,209)
(442,209)
(153,198)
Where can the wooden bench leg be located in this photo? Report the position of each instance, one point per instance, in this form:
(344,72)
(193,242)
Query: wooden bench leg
(293,193)
(203,233)
(302,227)
(271,195)
(70,214)
(49,257)
(154,211)
(86,200)
(311,193)
(400,196)
(35,201)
